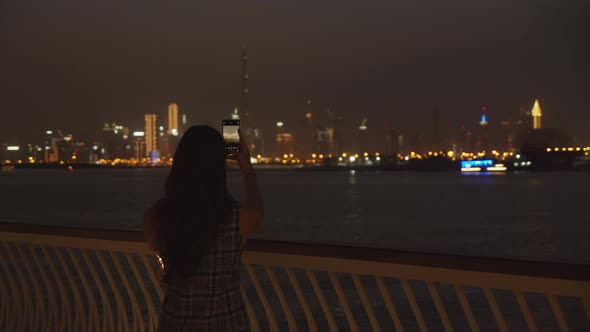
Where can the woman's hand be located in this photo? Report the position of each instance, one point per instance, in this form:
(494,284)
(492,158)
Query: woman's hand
(243,156)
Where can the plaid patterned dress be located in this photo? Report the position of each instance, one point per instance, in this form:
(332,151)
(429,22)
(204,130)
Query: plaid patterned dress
(211,300)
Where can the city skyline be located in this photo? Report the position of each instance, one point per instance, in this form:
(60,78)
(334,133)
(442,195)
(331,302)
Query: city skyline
(303,139)
(81,72)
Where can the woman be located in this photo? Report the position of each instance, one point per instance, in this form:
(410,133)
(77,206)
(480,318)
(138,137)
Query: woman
(199,231)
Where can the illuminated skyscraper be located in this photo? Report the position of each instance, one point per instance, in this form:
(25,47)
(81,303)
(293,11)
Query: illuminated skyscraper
(183,124)
(173,119)
(164,142)
(484,118)
(115,139)
(151,134)
(243,115)
(51,151)
(306,133)
(537,114)
(482,137)
(362,136)
(235,115)
(138,139)
(252,134)
(284,140)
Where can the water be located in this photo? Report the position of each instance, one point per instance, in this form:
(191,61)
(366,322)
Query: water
(533,216)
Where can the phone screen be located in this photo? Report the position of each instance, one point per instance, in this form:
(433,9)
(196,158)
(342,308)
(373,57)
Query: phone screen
(231,136)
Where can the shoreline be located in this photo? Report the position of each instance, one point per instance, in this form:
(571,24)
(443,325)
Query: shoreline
(302,168)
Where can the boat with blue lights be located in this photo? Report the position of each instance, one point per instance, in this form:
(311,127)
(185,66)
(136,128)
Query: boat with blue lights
(482,165)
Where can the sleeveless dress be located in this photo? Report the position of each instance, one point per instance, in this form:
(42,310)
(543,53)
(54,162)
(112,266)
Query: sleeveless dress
(211,299)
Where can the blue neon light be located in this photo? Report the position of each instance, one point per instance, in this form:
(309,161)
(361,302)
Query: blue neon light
(154,155)
(483,118)
(477,163)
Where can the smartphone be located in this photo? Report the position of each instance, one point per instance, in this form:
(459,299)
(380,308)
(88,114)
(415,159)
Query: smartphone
(231,136)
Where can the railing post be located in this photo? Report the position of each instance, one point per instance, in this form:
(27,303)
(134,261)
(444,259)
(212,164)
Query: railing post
(308,315)
(466,308)
(525,311)
(439,306)
(251,315)
(92,309)
(553,301)
(138,317)
(318,292)
(39,314)
(365,300)
(390,306)
(27,310)
(495,309)
(106,306)
(14,318)
(343,302)
(62,316)
(267,308)
(74,287)
(281,296)
(414,305)
(148,298)
(122,318)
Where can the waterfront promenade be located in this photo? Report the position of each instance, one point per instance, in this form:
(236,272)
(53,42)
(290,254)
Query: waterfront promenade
(67,279)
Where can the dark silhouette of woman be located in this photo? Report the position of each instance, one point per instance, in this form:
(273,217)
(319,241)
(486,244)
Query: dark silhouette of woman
(199,232)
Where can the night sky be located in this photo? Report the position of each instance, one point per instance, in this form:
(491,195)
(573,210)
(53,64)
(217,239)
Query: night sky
(77,64)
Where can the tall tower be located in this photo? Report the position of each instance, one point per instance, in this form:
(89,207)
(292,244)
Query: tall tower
(173,119)
(537,114)
(252,134)
(151,135)
(243,113)
(244,86)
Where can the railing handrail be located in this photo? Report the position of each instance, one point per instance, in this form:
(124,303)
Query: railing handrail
(566,271)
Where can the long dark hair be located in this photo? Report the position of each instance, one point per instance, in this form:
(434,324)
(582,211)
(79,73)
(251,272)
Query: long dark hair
(196,202)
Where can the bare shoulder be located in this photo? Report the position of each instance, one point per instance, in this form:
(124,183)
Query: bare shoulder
(150,226)
(150,219)
(250,221)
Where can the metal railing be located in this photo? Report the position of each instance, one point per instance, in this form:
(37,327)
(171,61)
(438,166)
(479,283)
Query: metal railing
(58,279)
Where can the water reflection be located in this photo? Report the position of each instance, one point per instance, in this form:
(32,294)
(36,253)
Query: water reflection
(481,178)
(352,177)
(353,210)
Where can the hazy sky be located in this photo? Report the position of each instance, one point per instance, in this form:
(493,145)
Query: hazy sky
(77,64)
